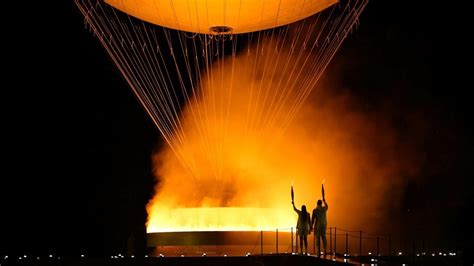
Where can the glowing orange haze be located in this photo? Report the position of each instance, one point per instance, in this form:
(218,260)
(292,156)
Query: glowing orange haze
(241,161)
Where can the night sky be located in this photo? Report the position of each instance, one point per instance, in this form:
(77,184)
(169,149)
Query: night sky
(77,145)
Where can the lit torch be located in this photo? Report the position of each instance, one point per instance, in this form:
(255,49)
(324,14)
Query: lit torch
(292,193)
(322,188)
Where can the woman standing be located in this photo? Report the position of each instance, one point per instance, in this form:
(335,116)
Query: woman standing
(303,227)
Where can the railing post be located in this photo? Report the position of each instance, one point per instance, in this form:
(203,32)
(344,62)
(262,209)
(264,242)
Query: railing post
(261,242)
(423,247)
(423,253)
(390,245)
(335,241)
(414,252)
(347,244)
(360,243)
(378,254)
(292,245)
(330,239)
(277,241)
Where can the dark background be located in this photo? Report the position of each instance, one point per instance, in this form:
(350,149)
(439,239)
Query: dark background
(77,146)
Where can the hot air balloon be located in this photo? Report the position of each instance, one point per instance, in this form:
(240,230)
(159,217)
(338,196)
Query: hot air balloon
(214,74)
(166,50)
(218,16)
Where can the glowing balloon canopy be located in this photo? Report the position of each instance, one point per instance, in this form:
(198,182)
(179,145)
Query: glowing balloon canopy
(201,16)
(201,60)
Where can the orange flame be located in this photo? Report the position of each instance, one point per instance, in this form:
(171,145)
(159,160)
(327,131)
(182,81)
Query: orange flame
(239,157)
(220,219)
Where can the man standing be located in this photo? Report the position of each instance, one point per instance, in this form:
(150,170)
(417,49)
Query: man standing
(319,223)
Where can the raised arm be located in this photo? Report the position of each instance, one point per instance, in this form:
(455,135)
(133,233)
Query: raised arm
(294,208)
(325,204)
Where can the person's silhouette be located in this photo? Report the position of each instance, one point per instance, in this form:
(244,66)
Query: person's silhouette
(319,223)
(303,227)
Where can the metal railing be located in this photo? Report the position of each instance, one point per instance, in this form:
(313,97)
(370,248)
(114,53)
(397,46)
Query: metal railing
(352,243)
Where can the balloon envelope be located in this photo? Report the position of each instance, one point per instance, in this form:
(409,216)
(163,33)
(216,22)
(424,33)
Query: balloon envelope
(241,15)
